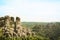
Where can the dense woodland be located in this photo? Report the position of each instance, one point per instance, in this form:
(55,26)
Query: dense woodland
(45,30)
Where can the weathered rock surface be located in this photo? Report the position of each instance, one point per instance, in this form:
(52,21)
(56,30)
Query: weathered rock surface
(13,28)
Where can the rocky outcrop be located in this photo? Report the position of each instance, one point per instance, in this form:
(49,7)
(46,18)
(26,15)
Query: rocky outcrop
(13,28)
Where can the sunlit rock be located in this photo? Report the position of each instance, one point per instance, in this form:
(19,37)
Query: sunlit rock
(12,28)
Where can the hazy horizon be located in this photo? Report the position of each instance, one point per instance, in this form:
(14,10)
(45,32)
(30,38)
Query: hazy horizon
(32,10)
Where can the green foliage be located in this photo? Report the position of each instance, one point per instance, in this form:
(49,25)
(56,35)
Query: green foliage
(43,31)
(24,38)
(51,30)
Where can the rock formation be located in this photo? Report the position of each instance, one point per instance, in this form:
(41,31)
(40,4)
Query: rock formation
(13,28)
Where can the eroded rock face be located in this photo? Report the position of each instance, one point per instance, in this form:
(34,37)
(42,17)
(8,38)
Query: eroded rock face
(13,28)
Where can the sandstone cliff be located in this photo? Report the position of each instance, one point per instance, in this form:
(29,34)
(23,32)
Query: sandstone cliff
(12,28)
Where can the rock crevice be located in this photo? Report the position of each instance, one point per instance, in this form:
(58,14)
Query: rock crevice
(13,28)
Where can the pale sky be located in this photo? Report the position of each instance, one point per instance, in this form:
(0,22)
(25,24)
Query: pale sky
(32,10)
